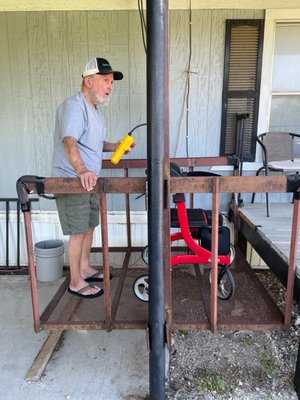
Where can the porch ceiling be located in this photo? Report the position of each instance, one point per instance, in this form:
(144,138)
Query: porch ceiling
(68,5)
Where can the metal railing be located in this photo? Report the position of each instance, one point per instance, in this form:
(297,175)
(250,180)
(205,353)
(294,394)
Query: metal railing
(8,200)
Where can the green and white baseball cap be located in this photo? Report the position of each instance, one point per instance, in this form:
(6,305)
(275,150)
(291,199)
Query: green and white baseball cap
(102,67)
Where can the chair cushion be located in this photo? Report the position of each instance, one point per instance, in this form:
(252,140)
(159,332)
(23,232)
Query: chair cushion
(288,166)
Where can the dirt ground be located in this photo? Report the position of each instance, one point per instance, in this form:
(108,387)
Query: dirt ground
(240,365)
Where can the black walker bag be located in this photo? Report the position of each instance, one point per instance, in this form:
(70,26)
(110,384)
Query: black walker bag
(224,239)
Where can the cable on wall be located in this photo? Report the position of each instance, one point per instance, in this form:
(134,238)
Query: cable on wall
(186,97)
(188,84)
(186,100)
(143,23)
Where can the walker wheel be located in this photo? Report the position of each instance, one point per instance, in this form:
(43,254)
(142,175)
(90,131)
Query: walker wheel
(141,287)
(145,255)
(226,284)
(232,253)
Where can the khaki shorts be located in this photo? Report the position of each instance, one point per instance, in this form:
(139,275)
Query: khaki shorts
(77,212)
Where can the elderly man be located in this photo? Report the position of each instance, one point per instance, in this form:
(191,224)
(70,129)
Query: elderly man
(79,141)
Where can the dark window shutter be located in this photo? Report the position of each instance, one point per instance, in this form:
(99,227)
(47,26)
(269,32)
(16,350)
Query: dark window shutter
(242,76)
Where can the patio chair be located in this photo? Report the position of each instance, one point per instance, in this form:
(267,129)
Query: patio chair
(279,152)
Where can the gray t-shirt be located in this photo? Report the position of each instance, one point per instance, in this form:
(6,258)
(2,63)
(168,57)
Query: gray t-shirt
(77,118)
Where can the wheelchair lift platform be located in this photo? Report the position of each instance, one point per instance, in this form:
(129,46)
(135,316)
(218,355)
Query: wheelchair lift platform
(190,300)
(251,308)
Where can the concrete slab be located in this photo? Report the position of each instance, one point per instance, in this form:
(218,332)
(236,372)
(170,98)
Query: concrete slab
(87,364)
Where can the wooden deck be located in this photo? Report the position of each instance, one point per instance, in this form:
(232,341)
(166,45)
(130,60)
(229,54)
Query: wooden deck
(270,236)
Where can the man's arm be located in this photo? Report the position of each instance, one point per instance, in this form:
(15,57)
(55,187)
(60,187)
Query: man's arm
(108,146)
(73,154)
(88,178)
(112,147)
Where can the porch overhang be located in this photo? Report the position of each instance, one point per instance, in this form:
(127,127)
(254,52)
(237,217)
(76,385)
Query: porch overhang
(96,5)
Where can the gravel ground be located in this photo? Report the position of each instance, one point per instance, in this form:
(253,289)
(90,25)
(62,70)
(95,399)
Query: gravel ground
(240,365)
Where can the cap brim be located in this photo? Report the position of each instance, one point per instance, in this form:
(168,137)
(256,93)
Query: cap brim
(117,74)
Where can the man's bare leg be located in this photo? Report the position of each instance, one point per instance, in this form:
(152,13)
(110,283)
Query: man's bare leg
(86,271)
(76,248)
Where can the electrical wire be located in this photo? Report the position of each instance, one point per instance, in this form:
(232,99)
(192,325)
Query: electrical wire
(188,71)
(188,84)
(136,127)
(186,97)
(143,24)
(181,118)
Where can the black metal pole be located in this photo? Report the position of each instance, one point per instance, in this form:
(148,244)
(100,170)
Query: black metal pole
(297,374)
(157,116)
(18,234)
(7,233)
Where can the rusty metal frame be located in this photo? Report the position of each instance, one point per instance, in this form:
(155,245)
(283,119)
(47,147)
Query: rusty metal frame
(292,262)
(127,185)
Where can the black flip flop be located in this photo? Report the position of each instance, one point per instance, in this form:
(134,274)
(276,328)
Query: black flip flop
(95,278)
(80,293)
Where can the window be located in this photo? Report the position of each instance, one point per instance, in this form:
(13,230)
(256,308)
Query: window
(242,74)
(285,95)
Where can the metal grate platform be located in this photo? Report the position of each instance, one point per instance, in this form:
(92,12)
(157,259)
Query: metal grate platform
(250,308)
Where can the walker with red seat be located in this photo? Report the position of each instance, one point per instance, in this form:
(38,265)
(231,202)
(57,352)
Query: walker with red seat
(195,230)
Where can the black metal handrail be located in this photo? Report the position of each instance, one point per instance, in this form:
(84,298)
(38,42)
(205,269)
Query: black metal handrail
(7,201)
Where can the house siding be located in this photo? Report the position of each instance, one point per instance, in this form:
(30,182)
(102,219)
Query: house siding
(42,56)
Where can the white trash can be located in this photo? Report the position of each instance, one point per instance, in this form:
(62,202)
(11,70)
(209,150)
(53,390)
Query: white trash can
(49,257)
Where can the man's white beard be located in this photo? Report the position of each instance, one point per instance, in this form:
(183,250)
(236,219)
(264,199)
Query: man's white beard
(101,101)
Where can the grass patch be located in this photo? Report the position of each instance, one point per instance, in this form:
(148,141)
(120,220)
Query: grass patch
(183,332)
(248,341)
(268,365)
(211,383)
